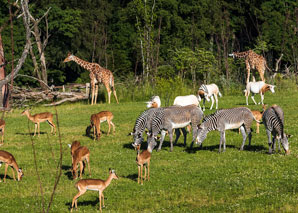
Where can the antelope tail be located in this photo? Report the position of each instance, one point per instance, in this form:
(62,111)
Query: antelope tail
(220,95)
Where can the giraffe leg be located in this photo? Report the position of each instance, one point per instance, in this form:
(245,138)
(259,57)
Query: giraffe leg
(92,93)
(114,92)
(248,70)
(109,92)
(96,93)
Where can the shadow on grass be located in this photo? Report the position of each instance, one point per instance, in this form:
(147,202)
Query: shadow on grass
(21,133)
(7,177)
(67,170)
(251,148)
(129,145)
(133,177)
(84,203)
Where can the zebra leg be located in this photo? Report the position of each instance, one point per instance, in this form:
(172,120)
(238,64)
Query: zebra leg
(222,136)
(242,129)
(212,99)
(171,139)
(184,132)
(163,134)
(269,141)
(178,133)
(274,144)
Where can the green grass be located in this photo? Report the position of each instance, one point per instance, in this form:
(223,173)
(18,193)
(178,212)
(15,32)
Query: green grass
(181,181)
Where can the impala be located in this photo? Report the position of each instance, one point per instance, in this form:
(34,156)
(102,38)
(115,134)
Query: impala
(9,160)
(94,185)
(98,118)
(40,117)
(80,154)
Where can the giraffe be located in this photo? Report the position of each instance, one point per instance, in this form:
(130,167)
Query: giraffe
(252,61)
(97,74)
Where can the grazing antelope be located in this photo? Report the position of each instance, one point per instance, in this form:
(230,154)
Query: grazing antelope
(206,92)
(257,87)
(9,160)
(98,118)
(40,117)
(80,154)
(2,128)
(143,158)
(94,185)
(73,147)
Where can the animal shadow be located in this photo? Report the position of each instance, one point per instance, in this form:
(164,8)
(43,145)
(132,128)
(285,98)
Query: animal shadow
(67,170)
(133,177)
(195,148)
(84,203)
(32,133)
(7,177)
(254,148)
(129,145)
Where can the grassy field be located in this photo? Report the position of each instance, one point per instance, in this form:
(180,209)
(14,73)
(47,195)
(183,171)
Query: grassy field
(181,181)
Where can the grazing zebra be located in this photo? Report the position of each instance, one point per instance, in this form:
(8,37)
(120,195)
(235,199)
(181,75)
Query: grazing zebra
(143,122)
(174,117)
(273,119)
(207,91)
(225,119)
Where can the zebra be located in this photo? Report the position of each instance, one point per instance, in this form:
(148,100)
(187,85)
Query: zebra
(273,119)
(143,122)
(207,91)
(225,119)
(174,117)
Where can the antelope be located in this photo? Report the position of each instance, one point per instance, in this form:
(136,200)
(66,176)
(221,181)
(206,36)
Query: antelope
(2,128)
(94,185)
(142,159)
(80,154)
(257,87)
(9,160)
(207,91)
(41,117)
(98,118)
(73,147)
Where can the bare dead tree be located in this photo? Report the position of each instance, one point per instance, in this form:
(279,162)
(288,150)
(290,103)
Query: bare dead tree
(40,69)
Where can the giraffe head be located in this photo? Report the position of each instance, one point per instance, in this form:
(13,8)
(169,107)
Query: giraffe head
(68,58)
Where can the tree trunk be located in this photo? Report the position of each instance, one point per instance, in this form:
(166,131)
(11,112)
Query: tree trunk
(4,93)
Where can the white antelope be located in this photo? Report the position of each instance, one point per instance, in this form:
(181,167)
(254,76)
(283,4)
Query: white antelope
(9,160)
(94,185)
(154,102)
(2,128)
(257,87)
(207,91)
(143,158)
(98,118)
(41,117)
(187,100)
(80,154)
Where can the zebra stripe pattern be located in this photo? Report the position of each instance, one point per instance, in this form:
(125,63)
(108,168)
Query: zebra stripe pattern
(225,119)
(273,119)
(143,122)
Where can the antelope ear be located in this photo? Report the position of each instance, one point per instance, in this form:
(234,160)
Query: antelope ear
(69,145)
(110,170)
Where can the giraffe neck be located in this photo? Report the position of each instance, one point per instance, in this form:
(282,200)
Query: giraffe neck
(85,64)
(242,54)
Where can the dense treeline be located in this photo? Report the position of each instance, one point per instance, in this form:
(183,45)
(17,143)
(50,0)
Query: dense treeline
(153,40)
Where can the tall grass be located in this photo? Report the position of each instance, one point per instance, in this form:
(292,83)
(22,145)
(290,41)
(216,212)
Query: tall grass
(180,181)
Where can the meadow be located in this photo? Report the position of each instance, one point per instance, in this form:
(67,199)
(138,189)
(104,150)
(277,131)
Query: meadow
(198,180)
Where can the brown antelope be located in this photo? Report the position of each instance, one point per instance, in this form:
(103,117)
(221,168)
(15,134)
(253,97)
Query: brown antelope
(2,128)
(73,147)
(142,159)
(95,185)
(40,117)
(9,160)
(98,118)
(80,154)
